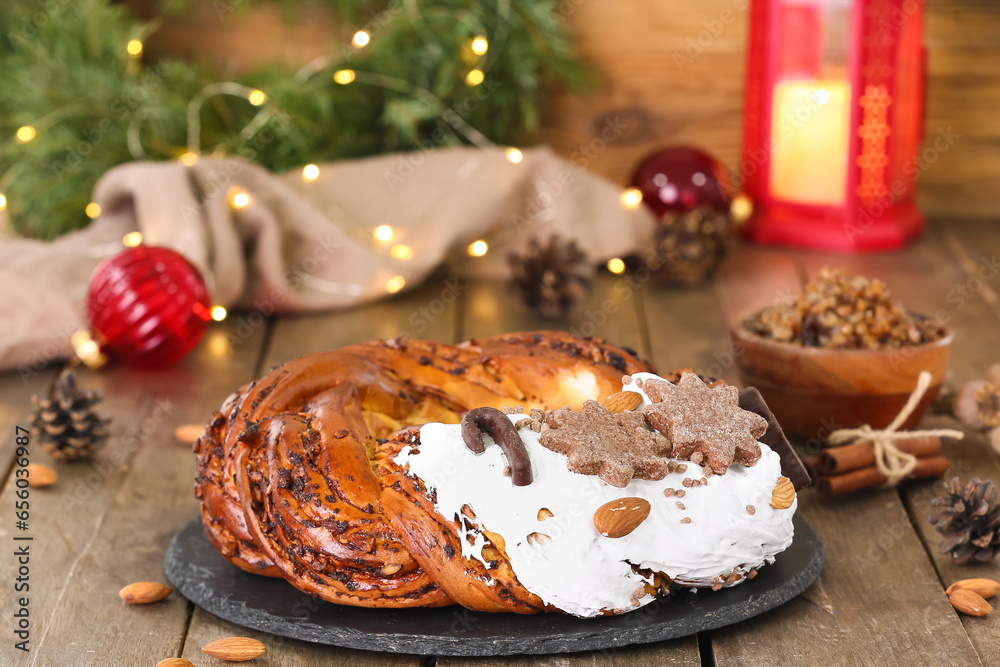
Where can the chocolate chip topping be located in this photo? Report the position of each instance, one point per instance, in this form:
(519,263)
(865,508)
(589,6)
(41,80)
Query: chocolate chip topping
(496,424)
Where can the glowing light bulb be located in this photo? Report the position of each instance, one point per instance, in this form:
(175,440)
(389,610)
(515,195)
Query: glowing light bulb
(93,210)
(3,202)
(343,76)
(479,248)
(741,208)
(631,198)
(257,97)
(189,159)
(218,313)
(616,265)
(383,233)
(132,239)
(401,252)
(474,77)
(395,284)
(361,39)
(26,133)
(241,200)
(310,172)
(134,48)
(514,155)
(479,45)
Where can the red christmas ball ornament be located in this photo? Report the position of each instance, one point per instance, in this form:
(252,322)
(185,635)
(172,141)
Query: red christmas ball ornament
(679,179)
(148,306)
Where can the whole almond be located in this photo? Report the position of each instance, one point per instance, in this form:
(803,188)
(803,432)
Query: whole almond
(174,662)
(391,568)
(188,433)
(783,495)
(622,401)
(969,603)
(620,517)
(545,513)
(40,475)
(144,592)
(235,649)
(986,588)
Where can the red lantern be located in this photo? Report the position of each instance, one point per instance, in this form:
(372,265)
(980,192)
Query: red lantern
(832,122)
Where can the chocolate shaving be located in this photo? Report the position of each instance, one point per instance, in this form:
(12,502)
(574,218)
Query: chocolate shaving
(496,424)
(774,437)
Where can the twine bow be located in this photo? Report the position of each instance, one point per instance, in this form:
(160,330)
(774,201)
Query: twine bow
(892,462)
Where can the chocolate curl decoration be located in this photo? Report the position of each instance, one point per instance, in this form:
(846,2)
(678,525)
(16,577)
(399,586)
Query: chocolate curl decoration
(496,425)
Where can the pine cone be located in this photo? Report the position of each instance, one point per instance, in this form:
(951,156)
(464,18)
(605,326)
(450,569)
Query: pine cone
(550,278)
(65,422)
(689,246)
(969,521)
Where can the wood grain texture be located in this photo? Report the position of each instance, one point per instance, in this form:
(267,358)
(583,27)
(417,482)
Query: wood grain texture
(281,651)
(431,312)
(877,609)
(609,311)
(106,523)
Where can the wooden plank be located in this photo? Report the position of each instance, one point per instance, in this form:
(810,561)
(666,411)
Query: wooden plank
(862,609)
(282,652)
(878,601)
(16,391)
(682,651)
(970,458)
(430,311)
(687,329)
(107,523)
(610,311)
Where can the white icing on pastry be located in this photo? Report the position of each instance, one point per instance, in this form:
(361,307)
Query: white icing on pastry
(578,570)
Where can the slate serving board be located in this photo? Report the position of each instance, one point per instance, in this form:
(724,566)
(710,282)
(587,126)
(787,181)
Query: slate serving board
(272,605)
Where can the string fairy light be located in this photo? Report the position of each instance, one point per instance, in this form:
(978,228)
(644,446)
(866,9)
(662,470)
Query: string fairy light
(360,39)
(132,239)
(383,233)
(401,252)
(310,172)
(219,313)
(474,77)
(513,155)
(26,133)
(188,159)
(479,45)
(257,97)
(478,248)
(631,198)
(240,199)
(3,202)
(395,284)
(343,76)
(92,210)
(616,265)
(134,48)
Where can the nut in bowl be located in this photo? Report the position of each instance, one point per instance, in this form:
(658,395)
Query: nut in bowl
(841,356)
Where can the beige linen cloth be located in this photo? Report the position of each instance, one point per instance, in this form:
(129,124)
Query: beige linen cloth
(308,245)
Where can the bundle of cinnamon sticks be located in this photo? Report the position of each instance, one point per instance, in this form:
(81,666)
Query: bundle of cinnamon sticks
(841,470)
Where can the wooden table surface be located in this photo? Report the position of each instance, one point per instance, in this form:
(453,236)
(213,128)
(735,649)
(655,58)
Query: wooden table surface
(879,601)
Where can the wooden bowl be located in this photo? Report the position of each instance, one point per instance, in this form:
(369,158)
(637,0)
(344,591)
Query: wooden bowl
(813,391)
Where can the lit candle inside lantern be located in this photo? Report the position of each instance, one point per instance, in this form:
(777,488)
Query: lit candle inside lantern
(810,134)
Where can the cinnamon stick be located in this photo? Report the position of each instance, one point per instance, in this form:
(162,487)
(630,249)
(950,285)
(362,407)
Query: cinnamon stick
(837,460)
(863,478)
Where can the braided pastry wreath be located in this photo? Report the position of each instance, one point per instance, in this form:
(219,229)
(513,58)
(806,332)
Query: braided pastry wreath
(298,474)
